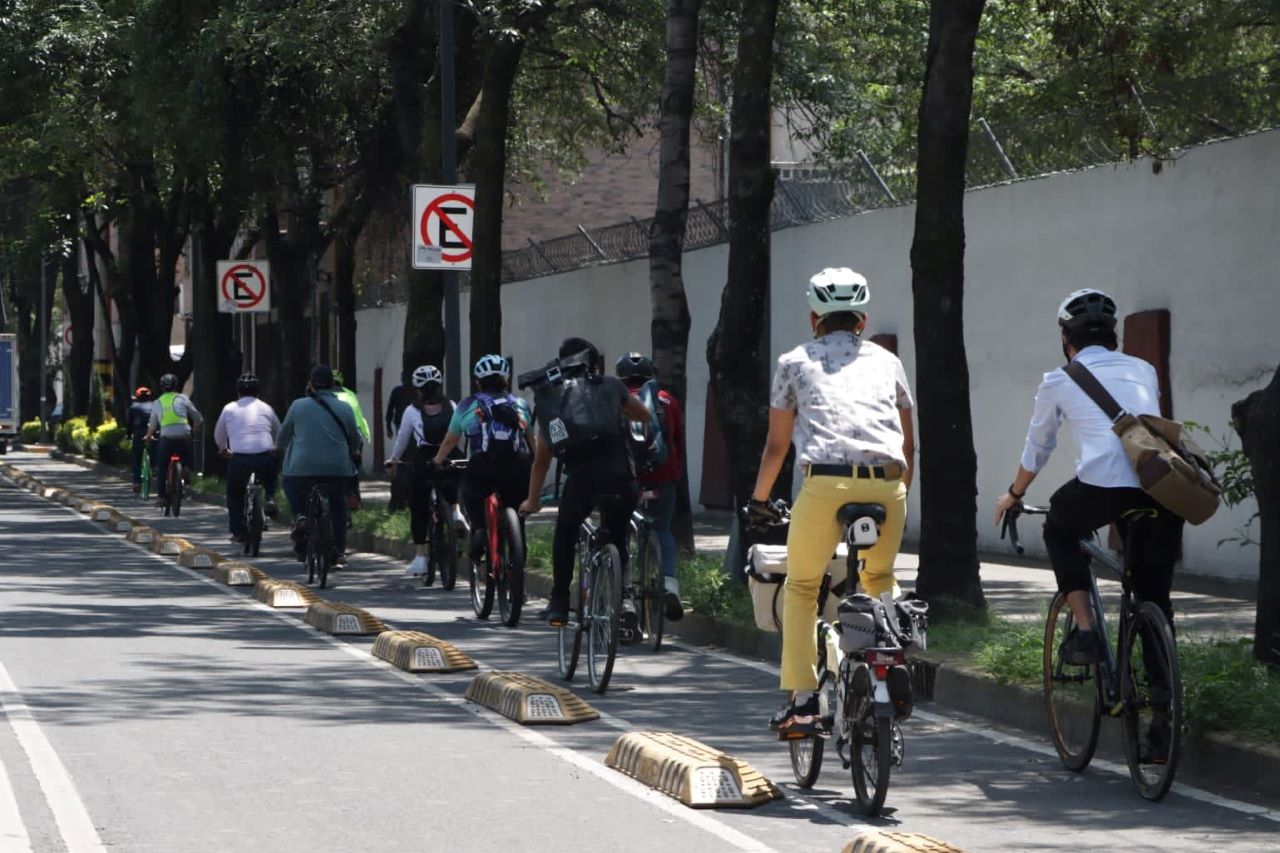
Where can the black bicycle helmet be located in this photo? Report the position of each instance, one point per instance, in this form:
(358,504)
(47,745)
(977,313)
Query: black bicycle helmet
(1087,308)
(168,383)
(247,385)
(635,365)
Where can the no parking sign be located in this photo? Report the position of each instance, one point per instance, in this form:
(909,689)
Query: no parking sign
(242,286)
(443,218)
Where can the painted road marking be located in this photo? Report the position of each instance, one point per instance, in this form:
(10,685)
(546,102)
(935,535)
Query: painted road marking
(74,824)
(13,832)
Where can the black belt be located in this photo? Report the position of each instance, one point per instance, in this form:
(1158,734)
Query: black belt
(892,471)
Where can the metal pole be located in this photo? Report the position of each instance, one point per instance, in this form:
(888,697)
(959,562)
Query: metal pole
(995,143)
(44,350)
(875,173)
(453,367)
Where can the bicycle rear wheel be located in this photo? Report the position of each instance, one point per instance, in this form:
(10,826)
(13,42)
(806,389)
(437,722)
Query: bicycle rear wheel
(603,618)
(447,556)
(1151,693)
(650,599)
(145,474)
(1072,694)
(511,579)
(870,746)
(324,547)
(176,489)
(256,521)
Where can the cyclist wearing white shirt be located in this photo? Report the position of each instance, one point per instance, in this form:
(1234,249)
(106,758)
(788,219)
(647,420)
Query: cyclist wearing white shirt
(1105,487)
(246,434)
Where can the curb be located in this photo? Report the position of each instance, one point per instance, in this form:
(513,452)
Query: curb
(1219,763)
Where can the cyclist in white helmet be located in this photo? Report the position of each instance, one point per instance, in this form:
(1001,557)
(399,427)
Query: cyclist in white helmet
(846,405)
(424,426)
(498,427)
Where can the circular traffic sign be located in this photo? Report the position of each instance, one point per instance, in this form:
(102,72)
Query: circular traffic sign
(452,235)
(243,285)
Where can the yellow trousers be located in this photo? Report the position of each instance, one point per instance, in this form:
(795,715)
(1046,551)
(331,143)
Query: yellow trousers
(811,540)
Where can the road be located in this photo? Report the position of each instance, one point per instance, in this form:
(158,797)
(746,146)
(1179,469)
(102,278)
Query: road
(149,709)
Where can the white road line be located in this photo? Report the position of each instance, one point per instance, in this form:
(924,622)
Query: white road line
(1007,739)
(13,832)
(739,840)
(74,825)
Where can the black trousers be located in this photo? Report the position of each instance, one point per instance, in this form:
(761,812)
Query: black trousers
(581,489)
(446,484)
(1077,509)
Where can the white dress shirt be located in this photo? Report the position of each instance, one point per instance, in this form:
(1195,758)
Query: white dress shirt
(247,426)
(1102,461)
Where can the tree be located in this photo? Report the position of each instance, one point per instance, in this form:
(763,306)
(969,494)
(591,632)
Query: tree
(738,350)
(1257,420)
(948,461)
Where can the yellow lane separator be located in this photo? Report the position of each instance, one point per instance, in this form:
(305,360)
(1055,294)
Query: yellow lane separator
(691,772)
(414,651)
(883,841)
(283,593)
(336,618)
(232,573)
(529,700)
(199,558)
(142,535)
(170,546)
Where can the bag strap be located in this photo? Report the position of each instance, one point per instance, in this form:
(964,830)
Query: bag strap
(1090,385)
(337,420)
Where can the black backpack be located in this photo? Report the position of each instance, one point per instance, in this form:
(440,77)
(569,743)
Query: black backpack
(573,408)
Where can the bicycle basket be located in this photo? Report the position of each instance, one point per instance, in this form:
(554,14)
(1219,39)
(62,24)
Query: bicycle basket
(766,579)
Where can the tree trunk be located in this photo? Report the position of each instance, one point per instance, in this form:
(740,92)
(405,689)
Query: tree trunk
(344,296)
(424,338)
(669,328)
(29,279)
(738,352)
(1257,419)
(78,366)
(489,168)
(948,462)
(292,257)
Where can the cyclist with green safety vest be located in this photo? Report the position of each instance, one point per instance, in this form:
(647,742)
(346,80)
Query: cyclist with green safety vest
(349,397)
(175,418)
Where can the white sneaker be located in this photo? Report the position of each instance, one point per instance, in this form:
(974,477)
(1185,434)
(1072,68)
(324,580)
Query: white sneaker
(418,567)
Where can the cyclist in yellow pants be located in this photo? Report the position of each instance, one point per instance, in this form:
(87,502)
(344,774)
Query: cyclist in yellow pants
(845,403)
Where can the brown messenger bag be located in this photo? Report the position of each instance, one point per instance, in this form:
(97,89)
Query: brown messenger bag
(1170,467)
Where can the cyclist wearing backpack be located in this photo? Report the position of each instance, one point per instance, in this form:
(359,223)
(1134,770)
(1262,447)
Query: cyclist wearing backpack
(498,427)
(424,427)
(586,427)
(657,446)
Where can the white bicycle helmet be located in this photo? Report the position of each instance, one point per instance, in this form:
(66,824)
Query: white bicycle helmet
(1087,307)
(425,375)
(492,365)
(838,290)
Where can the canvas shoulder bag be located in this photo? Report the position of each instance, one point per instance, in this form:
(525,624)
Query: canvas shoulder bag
(1171,468)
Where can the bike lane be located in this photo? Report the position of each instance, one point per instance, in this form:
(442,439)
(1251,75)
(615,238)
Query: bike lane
(962,782)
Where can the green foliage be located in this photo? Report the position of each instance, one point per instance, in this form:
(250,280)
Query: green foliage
(31,431)
(110,443)
(379,521)
(1234,472)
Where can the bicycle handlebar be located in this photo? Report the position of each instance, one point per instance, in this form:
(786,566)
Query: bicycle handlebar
(1010,523)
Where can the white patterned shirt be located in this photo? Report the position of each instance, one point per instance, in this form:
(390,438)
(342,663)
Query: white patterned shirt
(847,394)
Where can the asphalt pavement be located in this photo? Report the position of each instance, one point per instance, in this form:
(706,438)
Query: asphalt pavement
(149,709)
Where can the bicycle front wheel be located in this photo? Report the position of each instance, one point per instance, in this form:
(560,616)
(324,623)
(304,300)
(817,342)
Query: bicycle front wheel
(511,582)
(603,617)
(651,604)
(1072,694)
(1151,695)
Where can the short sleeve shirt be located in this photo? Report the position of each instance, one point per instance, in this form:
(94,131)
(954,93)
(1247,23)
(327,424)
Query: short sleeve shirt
(847,394)
(466,418)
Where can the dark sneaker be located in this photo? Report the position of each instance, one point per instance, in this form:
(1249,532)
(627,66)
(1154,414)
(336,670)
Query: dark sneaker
(671,601)
(899,683)
(1154,748)
(270,509)
(558,611)
(339,560)
(1080,648)
(798,720)
(237,539)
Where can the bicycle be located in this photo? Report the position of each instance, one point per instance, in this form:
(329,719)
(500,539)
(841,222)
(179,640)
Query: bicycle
(319,531)
(646,556)
(255,516)
(1140,683)
(864,684)
(598,608)
(173,486)
(501,573)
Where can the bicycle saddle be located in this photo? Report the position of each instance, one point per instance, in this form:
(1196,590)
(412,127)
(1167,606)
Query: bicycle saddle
(850,513)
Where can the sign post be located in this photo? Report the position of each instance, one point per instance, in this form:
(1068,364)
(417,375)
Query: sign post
(243,287)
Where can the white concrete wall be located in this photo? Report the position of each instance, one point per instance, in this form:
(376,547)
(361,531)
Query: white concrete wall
(1201,239)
